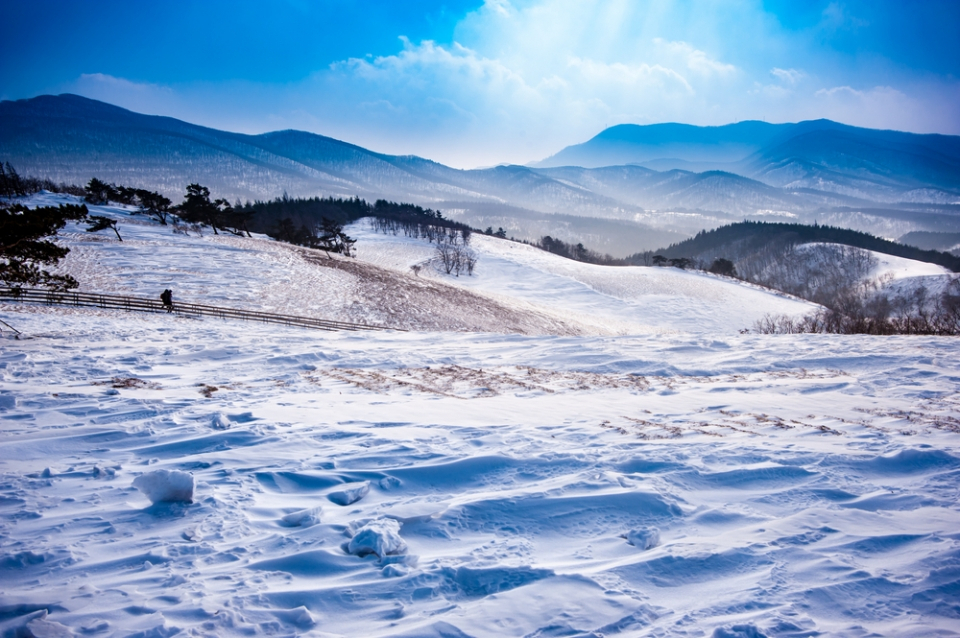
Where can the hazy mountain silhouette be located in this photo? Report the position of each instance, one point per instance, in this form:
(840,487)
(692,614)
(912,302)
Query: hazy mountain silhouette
(882,166)
(636,174)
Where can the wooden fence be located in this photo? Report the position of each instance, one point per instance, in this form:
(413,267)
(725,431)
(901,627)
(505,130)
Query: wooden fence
(143,304)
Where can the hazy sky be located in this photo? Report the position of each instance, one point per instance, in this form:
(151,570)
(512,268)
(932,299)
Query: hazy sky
(472,83)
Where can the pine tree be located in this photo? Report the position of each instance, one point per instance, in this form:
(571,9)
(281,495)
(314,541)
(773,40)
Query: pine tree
(99,222)
(99,192)
(198,209)
(154,205)
(25,247)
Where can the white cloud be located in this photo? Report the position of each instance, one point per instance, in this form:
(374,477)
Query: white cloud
(788,76)
(493,105)
(839,91)
(694,59)
(642,76)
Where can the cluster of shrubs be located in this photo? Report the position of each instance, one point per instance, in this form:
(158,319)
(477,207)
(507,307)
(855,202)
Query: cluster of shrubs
(918,312)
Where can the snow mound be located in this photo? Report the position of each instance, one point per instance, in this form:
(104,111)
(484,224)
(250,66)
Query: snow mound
(220,422)
(643,538)
(380,537)
(299,617)
(42,628)
(166,486)
(351,494)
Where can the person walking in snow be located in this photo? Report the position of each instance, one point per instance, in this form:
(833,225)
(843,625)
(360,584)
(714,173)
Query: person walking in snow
(167,298)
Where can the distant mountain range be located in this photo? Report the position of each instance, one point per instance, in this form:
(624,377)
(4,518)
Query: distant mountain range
(821,155)
(648,184)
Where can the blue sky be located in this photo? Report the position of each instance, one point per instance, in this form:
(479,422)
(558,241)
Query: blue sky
(472,83)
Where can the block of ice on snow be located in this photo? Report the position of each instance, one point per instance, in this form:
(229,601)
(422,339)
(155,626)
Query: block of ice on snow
(352,493)
(643,538)
(166,486)
(302,518)
(380,537)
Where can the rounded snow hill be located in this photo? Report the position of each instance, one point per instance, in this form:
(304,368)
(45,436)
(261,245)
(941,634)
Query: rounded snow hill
(891,267)
(611,299)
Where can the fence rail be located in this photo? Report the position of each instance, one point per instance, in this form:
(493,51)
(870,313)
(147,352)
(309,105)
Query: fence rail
(143,304)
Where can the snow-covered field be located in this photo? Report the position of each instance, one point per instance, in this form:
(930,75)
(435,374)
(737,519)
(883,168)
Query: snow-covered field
(583,478)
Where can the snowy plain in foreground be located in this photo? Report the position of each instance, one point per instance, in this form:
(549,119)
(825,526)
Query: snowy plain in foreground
(664,482)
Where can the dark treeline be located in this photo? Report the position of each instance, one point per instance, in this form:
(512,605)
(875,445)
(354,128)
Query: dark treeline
(415,221)
(747,236)
(303,212)
(577,252)
(318,222)
(14,185)
(410,219)
(826,265)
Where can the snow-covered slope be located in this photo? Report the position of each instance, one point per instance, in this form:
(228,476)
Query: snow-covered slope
(876,273)
(897,275)
(431,483)
(623,300)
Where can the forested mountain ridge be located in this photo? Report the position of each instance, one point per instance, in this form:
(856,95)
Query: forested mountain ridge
(736,240)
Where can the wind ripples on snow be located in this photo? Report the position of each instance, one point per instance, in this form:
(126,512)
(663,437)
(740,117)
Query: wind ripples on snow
(668,504)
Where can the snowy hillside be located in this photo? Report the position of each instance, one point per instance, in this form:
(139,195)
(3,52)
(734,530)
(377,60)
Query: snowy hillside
(623,300)
(630,465)
(877,273)
(897,275)
(516,288)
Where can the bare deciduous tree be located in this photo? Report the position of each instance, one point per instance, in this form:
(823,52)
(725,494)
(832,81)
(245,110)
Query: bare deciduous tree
(453,255)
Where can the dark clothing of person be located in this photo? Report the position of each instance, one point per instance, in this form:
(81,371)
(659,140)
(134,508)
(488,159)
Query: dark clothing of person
(167,298)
